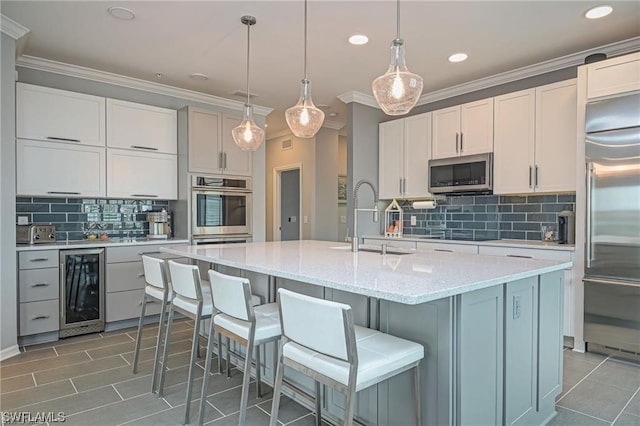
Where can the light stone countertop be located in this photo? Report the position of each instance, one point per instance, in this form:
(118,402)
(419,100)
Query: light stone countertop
(112,242)
(530,244)
(410,278)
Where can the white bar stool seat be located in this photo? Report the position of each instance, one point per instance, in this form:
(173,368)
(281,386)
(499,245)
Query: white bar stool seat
(236,318)
(320,340)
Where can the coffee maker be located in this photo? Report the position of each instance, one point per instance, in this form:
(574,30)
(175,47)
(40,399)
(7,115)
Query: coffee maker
(566,227)
(159,224)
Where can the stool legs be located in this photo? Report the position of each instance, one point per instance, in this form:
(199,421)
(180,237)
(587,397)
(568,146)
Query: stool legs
(136,352)
(194,354)
(207,369)
(318,404)
(156,359)
(245,380)
(258,387)
(165,352)
(416,394)
(277,385)
(220,370)
(228,342)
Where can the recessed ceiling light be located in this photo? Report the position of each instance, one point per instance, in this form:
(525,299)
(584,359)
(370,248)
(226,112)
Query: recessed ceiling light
(598,12)
(358,39)
(458,57)
(199,76)
(121,13)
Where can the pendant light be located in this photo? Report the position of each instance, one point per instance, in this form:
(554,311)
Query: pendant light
(398,90)
(248,135)
(304,118)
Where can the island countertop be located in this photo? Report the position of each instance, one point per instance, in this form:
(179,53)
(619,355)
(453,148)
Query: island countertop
(408,278)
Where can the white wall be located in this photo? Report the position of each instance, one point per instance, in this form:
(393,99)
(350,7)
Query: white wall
(8,283)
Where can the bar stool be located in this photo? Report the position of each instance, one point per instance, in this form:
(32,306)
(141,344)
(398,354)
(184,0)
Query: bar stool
(237,319)
(156,290)
(193,300)
(320,340)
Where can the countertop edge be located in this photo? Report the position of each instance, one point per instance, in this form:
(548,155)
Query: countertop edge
(97,244)
(529,244)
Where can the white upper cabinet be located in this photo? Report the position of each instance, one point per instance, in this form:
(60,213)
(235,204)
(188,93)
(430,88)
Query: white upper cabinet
(59,169)
(141,127)
(536,140)
(463,129)
(210,146)
(404,148)
(133,174)
(56,115)
(613,76)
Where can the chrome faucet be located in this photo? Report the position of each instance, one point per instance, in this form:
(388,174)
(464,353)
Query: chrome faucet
(355,240)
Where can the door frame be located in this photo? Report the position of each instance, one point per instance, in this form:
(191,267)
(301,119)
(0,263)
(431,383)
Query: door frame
(277,175)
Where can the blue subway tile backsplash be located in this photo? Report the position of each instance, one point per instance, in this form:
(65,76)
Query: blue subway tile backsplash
(76,218)
(488,217)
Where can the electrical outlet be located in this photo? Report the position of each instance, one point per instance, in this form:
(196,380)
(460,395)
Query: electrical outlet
(413,221)
(23,220)
(305,219)
(343,219)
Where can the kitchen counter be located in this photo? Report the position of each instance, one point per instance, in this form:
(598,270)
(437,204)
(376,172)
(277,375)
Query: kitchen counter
(111,242)
(495,243)
(404,278)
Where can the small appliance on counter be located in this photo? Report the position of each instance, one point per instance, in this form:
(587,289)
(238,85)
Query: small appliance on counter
(35,234)
(159,224)
(566,227)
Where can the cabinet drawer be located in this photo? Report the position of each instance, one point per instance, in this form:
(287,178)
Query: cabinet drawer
(39,284)
(542,254)
(38,259)
(127,304)
(39,317)
(125,276)
(446,247)
(133,253)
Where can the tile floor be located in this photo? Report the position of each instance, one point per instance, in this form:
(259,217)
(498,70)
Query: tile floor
(89,379)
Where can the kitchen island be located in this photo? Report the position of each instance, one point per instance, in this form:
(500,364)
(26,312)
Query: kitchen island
(491,326)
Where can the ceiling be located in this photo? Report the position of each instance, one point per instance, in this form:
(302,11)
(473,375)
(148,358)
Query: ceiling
(179,38)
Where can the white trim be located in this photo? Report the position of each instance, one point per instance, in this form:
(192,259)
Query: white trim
(47,65)
(11,28)
(574,59)
(9,352)
(277,171)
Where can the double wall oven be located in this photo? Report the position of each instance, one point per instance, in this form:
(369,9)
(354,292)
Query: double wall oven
(220,209)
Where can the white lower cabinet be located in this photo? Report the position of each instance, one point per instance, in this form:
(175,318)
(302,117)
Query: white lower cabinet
(125,305)
(59,169)
(39,317)
(132,174)
(38,292)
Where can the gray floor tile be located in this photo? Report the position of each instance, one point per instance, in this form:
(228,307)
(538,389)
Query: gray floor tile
(92,344)
(617,374)
(108,377)
(627,420)
(569,379)
(39,365)
(16,383)
(584,357)
(228,402)
(596,399)
(308,420)
(175,346)
(31,355)
(62,342)
(142,385)
(119,412)
(571,418)
(255,417)
(78,402)
(634,405)
(289,409)
(175,416)
(148,341)
(21,398)
(79,369)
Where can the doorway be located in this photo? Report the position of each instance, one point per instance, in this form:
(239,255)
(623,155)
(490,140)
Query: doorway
(287,206)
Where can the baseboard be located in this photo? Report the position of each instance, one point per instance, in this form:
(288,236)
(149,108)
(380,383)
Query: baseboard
(9,352)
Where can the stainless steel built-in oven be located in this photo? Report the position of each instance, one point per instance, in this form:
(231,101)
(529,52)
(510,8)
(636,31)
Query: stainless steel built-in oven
(220,206)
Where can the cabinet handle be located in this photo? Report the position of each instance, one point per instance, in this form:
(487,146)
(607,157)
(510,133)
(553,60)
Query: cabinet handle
(220,164)
(39,317)
(520,256)
(536,180)
(142,253)
(404,185)
(530,175)
(589,248)
(63,192)
(461,136)
(40,285)
(224,155)
(145,195)
(54,138)
(400,185)
(457,143)
(39,259)
(144,147)
(445,250)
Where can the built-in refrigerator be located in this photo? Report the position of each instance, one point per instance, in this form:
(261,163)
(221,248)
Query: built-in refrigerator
(612,252)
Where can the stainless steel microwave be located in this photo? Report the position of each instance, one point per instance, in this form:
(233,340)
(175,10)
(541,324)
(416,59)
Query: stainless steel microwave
(471,174)
(220,206)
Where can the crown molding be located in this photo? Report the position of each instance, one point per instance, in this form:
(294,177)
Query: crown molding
(358,97)
(574,59)
(334,125)
(12,28)
(76,71)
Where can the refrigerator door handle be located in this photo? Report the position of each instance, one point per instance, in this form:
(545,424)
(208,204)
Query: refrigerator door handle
(589,248)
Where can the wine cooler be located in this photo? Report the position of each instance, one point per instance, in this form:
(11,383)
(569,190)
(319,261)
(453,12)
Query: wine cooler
(81,291)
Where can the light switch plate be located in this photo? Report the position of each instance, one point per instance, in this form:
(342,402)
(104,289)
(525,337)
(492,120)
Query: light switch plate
(23,220)
(306,219)
(413,221)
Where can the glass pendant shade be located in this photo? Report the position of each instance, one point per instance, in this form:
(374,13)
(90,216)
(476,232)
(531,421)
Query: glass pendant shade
(304,118)
(248,135)
(398,90)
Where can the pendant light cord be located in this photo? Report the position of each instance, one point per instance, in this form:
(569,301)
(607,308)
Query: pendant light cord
(248,56)
(305,39)
(398,19)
